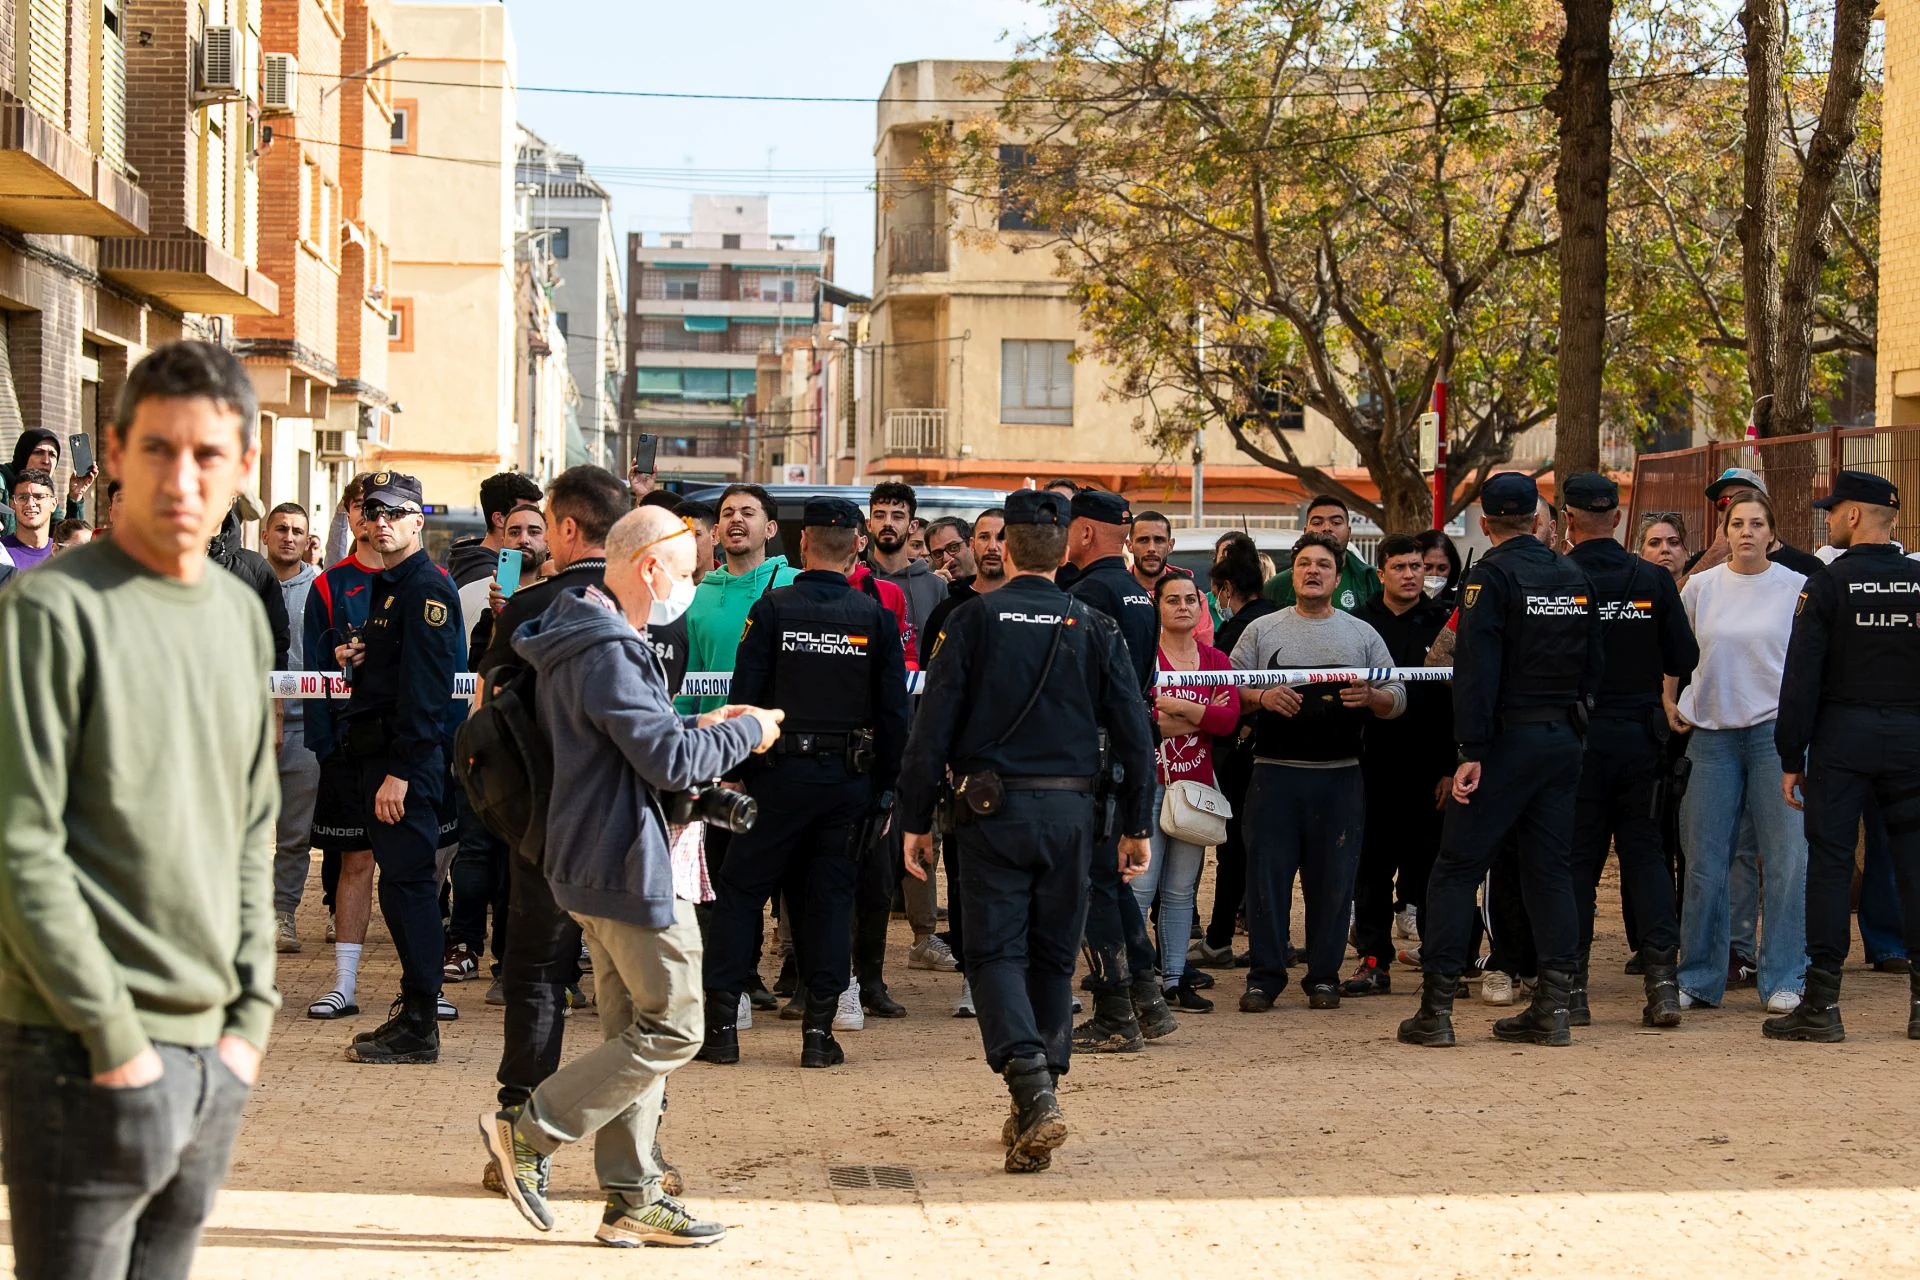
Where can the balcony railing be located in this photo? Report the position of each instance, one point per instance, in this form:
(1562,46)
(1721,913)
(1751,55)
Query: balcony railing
(912,250)
(916,432)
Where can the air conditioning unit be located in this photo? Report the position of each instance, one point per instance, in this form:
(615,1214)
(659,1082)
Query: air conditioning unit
(336,446)
(223,62)
(280,87)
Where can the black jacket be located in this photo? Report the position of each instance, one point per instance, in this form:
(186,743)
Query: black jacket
(252,568)
(1420,740)
(1642,623)
(958,593)
(1856,641)
(1109,586)
(529,603)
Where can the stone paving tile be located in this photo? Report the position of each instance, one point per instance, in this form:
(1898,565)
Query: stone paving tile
(1297,1143)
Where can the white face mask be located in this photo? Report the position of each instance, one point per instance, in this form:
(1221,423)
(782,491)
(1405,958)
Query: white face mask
(1435,585)
(668,608)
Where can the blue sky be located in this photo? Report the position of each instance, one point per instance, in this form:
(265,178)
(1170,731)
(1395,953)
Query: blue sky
(651,153)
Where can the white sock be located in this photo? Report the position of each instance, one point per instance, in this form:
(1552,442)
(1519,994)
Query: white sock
(346,968)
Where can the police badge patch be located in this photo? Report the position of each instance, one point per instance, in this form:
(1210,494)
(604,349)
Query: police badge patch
(435,612)
(1472,596)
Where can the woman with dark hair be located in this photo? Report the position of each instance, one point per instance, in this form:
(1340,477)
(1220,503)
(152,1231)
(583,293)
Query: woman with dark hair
(1442,561)
(1232,538)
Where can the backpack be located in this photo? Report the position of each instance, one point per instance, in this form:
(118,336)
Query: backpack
(502,757)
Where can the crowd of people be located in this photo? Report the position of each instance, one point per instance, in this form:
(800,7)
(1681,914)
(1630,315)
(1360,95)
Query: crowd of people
(1440,755)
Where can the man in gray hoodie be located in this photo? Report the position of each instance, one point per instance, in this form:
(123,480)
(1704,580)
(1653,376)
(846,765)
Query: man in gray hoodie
(890,509)
(617,745)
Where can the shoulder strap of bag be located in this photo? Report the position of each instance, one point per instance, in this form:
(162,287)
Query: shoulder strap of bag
(1046,669)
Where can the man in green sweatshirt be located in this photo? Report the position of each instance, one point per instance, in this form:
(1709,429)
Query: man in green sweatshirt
(719,610)
(138,794)
(1358,582)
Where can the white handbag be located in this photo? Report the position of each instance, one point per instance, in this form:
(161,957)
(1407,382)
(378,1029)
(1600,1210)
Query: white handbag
(1195,813)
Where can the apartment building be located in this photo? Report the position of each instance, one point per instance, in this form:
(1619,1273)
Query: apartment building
(704,303)
(571,216)
(1897,399)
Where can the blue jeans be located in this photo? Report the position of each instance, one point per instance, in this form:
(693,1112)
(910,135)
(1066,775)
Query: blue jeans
(1737,772)
(1743,891)
(1174,874)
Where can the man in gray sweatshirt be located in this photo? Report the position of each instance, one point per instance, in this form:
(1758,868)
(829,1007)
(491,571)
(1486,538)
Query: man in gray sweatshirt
(890,511)
(615,866)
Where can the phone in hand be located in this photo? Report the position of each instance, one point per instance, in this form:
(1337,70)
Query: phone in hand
(507,572)
(646,453)
(80,449)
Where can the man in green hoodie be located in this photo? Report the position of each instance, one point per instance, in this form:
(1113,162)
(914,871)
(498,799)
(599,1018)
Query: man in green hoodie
(719,611)
(1358,582)
(138,794)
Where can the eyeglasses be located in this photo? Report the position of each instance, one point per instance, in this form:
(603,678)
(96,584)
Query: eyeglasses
(33,499)
(688,527)
(947,552)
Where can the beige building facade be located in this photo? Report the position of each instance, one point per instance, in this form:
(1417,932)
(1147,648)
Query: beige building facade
(1897,389)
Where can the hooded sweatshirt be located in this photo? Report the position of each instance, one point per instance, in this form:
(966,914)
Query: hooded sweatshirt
(22,448)
(617,741)
(923,588)
(719,614)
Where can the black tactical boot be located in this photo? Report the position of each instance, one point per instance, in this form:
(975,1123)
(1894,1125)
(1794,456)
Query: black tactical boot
(722,1045)
(1111,1029)
(818,1048)
(1433,1025)
(788,980)
(1578,1014)
(1661,973)
(1040,1126)
(1150,1007)
(1913,1009)
(1544,1020)
(411,1037)
(1818,1017)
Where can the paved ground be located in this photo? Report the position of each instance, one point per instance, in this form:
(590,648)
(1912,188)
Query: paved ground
(1296,1143)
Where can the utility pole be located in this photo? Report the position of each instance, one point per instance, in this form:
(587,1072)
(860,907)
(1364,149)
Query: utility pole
(1199,476)
(1440,452)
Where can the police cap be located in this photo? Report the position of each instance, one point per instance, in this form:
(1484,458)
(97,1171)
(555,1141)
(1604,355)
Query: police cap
(1510,493)
(1037,506)
(393,489)
(831,513)
(1860,486)
(1590,491)
(1097,504)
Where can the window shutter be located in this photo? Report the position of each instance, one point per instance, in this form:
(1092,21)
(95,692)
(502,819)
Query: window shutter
(1059,376)
(1012,372)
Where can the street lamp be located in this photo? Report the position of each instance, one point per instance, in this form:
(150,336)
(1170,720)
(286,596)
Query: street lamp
(361,74)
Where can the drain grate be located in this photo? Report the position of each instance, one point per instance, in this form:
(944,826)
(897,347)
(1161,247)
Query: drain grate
(869,1177)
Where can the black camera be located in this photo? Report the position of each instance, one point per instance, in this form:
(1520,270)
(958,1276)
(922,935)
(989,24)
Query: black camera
(714,805)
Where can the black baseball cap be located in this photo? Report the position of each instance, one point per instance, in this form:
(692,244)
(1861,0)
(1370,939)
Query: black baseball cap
(1590,491)
(831,513)
(1510,493)
(1860,486)
(1098,504)
(1037,506)
(393,489)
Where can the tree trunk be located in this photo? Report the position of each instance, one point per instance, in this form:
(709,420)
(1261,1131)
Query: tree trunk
(1812,238)
(1406,499)
(1759,223)
(1584,102)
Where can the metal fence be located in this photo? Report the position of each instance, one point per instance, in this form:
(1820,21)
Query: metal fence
(1797,469)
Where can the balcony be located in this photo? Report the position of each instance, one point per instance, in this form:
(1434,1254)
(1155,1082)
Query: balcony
(50,183)
(186,272)
(916,433)
(916,250)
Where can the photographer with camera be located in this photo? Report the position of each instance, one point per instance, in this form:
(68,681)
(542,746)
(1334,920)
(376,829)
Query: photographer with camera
(829,655)
(618,749)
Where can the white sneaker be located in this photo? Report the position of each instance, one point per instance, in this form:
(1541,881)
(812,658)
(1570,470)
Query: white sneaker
(744,1019)
(1783,1002)
(1496,988)
(1078,1008)
(1686,1001)
(933,953)
(1406,924)
(329,926)
(850,1016)
(286,936)
(963,1007)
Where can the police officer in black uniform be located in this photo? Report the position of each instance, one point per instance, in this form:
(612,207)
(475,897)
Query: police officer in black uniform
(398,728)
(1020,685)
(1525,672)
(1644,627)
(1849,728)
(829,656)
(1129,1006)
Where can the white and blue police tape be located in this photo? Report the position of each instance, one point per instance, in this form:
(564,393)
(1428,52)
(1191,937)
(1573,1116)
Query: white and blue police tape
(715,684)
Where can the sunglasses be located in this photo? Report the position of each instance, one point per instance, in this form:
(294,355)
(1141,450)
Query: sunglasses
(377,511)
(688,527)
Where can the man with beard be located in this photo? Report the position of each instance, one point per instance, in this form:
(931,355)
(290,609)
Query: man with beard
(889,522)
(1328,514)
(720,603)
(1151,542)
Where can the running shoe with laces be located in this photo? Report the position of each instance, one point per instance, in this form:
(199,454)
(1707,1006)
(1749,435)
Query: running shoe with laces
(664,1222)
(1742,971)
(1496,988)
(1406,924)
(286,936)
(932,952)
(743,1020)
(523,1171)
(1368,980)
(849,1016)
(460,963)
(963,1007)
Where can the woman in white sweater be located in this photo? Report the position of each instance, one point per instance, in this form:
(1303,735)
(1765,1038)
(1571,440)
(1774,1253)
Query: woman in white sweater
(1742,614)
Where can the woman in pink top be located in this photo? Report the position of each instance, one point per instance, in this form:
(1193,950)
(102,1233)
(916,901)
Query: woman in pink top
(1188,719)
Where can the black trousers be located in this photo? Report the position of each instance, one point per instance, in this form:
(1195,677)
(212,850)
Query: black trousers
(1118,948)
(1305,823)
(1396,853)
(807,846)
(541,961)
(479,879)
(873,905)
(1023,889)
(1510,947)
(1614,806)
(104,1184)
(1859,752)
(1528,780)
(1233,772)
(404,852)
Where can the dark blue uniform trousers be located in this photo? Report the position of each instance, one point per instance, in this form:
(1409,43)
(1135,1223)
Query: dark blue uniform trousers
(1614,807)
(1023,894)
(404,853)
(1528,781)
(805,846)
(1118,948)
(1859,753)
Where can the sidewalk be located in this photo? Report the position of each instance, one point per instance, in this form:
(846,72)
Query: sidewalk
(1296,1143)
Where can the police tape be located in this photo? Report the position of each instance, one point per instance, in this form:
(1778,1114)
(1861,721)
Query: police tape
(300,685)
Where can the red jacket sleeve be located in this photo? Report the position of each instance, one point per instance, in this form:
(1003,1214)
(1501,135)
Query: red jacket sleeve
(896,599)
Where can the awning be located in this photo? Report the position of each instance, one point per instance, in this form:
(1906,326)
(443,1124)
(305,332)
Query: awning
(705,324)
